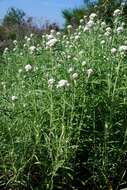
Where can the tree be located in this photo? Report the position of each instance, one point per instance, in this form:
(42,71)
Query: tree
(73,16)
(103,8)
(13,17)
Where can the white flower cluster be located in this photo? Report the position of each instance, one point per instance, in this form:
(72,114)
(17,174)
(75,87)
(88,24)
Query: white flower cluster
(91,22)
(102,42)
(83,63)
(15,42)
(92,16)
(27,39)
(117,12)
(14,98)
(89,72)
(51,42)
(108,31)
(120,29)
(51,82)
(5,50)
(69,27)
(28,67)
(75,76)
(103,24)
(32,49)
(63,83)
(70,70)
(123,49)
(113,50)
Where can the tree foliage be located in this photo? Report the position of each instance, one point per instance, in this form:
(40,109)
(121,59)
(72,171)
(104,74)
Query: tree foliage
(14,17)
(103,8)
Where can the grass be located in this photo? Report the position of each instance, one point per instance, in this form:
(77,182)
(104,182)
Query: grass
(70,135)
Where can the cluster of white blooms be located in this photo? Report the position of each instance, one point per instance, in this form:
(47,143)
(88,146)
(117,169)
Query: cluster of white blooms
(81,21)
(21,54)
(90,23)
(32,49)
(69,27)
(28,67)
(89,72)
(51,42)
(5,50)
(86,29)
(20,71)
(102,42)
(15,48)
(75,58)
(103,24)
(83,63)
(52,31)
(27,39)
(92,16)
(58,34)
(15,42)
(50,36)
(75,76)
(80,27)
(14,98)
(123,49)
(50,82)
(117,12)
(31,35)
(70,70)
(3,84)
(108,31)
(63,83)
(77,37)
(24,45)
(120,29)
(85,17)
(64,36)
(113,50)
(81,52)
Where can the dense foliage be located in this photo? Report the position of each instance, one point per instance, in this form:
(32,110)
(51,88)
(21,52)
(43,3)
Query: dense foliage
(103,8)
(63,109)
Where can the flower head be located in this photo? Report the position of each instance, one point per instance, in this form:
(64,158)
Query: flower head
(32,49)
(113,50)
(81,21)
(28,67)
(83,63)
(62,83)
(14,98)
(102,42)
(90,24)
(89,72)
(92,16)
(120,29)
(123,48)
(51,42)
(70,70)
(50,82)
(75,76)
(117,12)
(69,27)
(103,24)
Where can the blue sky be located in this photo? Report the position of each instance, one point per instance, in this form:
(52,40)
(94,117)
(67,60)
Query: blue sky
(41,10)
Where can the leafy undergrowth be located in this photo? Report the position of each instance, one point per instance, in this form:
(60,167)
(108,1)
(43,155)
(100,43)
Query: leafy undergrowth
(63,109)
